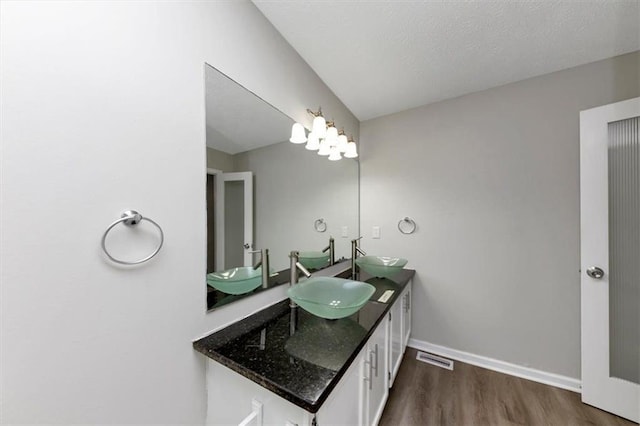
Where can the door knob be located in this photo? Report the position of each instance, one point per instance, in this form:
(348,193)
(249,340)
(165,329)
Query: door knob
(595,272)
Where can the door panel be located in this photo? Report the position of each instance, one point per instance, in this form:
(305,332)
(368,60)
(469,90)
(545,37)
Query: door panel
(233,195)
(395,340)
(377,353)
(610,237)
(406,317)
(624,249)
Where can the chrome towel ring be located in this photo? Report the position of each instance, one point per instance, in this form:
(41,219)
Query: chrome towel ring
(320,225)
(407,225)
(131,218)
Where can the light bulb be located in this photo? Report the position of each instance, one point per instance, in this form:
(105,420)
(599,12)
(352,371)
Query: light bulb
(351,151)
(297,133)
(319,126)
(324,148)
(342,143)
(332,136)
(334,155)
(313,143)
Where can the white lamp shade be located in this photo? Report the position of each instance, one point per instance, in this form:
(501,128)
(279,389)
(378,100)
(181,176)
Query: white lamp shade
(324,148)
(332,136)
(313,143)
(342,143)
(351,151)
(297,133)
(319,127)
(334,154)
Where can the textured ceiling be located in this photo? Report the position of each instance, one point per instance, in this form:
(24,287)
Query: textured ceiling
(238,120)
(381,57)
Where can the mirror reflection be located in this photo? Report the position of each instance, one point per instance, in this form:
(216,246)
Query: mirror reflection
(267,196)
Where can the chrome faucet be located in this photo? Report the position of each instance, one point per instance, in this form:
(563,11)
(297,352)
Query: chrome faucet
(332,251)
(354,254)
(264,262)
(295,267)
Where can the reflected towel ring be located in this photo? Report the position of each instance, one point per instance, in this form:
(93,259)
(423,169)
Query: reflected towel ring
(407,225)
(320,225)
(131,218)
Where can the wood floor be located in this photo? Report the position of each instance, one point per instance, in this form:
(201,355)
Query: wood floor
(427,395)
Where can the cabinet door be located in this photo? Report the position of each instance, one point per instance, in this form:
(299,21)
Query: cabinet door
(395,339)
(406,317)
(345,405)
(378,375)
(230,401)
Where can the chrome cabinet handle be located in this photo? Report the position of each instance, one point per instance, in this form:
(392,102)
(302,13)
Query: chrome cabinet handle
(376,354)
(371,368)
(366,379)
(595,272)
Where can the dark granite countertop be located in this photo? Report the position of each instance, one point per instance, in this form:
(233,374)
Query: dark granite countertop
(295,354)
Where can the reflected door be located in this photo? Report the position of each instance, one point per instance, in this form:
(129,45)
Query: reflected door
(610,257)
(233,195)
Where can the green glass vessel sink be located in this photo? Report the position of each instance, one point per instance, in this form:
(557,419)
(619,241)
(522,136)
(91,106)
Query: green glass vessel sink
(236,280)
(331,298)
(313,259)
(380,266)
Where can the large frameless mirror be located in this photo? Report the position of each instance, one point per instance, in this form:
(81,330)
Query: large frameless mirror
(264,192)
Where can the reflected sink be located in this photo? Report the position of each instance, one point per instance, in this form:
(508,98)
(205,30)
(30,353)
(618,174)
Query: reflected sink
(313,259)
(380,266)
(236,280)
(325,343)
(331,298)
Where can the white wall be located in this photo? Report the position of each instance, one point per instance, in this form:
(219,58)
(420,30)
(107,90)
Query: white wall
(102,109)
(491,179)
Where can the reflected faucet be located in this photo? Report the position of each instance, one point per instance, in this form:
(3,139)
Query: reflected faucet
(295,267)
(264,262)
(332,251)
(354,254)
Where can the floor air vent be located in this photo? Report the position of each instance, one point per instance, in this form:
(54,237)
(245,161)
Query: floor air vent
(435,360)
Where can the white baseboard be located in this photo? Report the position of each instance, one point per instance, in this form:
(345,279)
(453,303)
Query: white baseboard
(563,382)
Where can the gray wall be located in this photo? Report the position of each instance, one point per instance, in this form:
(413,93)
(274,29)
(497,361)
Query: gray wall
(492,179)
(292,188)
(219,160)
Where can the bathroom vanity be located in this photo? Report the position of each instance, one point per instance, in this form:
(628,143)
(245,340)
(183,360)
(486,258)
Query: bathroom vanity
(285,366)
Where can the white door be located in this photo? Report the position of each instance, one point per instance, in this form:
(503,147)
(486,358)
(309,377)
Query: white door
(233,219)
(610,257)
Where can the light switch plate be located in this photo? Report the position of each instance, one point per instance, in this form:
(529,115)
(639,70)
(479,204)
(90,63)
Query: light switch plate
(375,232)
(344,231)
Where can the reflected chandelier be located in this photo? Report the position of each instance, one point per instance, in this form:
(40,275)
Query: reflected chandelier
(325,138)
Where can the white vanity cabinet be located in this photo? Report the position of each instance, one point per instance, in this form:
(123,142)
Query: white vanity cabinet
(400,330)
(405,299)
(358,398)
(232,399)
(375,376)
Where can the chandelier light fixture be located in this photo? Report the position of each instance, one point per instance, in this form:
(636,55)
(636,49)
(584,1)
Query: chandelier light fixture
(325,138)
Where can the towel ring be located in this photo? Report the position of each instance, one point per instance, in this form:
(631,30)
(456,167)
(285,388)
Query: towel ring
(320,225)
(131,218)
(407,225)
